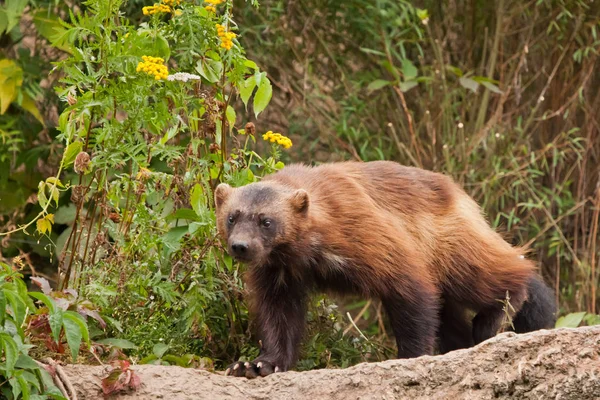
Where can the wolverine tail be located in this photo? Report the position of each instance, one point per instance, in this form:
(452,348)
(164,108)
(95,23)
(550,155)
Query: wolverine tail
(539,311)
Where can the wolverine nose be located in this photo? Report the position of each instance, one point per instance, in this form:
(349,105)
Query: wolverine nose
(240,249)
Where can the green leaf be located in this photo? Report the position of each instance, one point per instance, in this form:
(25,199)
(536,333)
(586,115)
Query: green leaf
(246,90)
(406,86)
(230,114)
(150,359)
(592,319)
(65,214)
(228,262)
(31,381)
(153,43)
(47,25)
(159,349)
(469,83)
(42,198)
(251,64)
(28,105)
(54,193)
(10,351)
(17,305)
(455,70)
(262,96)
(14,10)
(119,343)
(48,302)
(55,319)
(3,21)
(185,213)
(172,238)
(11,78)
(491,87)
(169,134)
(377,84)
(408,69)
(2,308)
(74,331)
(197,199)
(371,51)
(570,320)
(26,362)
(71,153)
(210,69)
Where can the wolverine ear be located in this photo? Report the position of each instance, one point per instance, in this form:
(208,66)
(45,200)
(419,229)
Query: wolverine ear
(222,192)
(300,200)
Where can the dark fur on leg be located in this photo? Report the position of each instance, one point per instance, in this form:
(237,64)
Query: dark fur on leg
(414,324)
(539,310)
(455,328)
(488,321)
(279,305)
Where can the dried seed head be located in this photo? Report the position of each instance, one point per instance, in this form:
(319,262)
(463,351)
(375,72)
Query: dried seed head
(100,239)
(250,129)
(114,217)
(140,189)
(82,163)
(77,193)
(213,148)
(71,99)
(143,174)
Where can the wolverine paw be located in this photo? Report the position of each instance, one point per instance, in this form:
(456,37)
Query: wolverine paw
(251,370)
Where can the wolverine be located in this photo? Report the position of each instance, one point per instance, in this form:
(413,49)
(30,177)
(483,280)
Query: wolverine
(410,237)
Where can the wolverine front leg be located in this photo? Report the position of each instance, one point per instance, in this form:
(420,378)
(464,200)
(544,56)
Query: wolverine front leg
(279,305)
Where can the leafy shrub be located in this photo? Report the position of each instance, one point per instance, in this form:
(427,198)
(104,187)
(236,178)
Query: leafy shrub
(155,115)
(23,324)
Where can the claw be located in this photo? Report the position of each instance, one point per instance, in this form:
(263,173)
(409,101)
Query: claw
(277,369)
(247,364)
(259,365)
(227,371)
(236,366)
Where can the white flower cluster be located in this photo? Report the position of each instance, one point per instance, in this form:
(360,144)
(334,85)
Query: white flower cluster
(183,77)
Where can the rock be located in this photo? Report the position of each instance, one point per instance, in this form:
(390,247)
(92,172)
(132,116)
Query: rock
(548,364)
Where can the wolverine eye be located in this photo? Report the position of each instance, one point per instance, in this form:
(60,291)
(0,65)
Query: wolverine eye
(231,220)
(266,223)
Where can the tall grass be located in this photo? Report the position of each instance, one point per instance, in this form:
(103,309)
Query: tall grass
(501,95)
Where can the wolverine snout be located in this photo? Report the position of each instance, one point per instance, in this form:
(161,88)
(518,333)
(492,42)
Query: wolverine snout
(239,249)
(244,249)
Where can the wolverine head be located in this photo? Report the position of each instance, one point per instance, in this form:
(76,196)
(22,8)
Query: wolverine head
(257,218)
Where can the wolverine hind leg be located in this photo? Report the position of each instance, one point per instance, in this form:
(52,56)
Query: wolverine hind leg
(455,331)
(488,320)
(414,319)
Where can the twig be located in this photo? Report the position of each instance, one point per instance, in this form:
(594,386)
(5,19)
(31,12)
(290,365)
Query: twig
(360,314)
(60,378)
(354,325)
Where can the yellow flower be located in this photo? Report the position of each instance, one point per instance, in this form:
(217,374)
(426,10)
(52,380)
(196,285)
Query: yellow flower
(157,8)
(18,261)
(143,174)
(153,66)
(226,37)
(281,140)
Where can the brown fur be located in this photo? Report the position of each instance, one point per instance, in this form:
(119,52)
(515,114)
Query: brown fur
(409,236)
